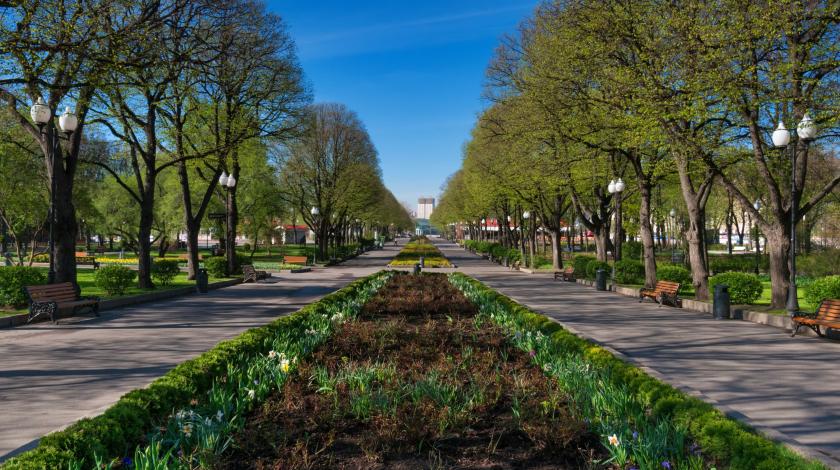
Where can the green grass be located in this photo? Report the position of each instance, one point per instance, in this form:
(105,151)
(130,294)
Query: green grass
(85,278)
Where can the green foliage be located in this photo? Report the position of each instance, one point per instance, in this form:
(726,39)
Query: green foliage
(673,273)
(632,250)
(819,264)
(743,288)
(594,266)
(737,263)
(723,440)
(128,422)
(824,288)
(164,270)
(12,281)
(114,279)
(580,262)
(217,265)
(629,271)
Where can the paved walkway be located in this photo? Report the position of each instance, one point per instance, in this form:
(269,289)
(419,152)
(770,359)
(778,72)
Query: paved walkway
(53,375)
(756,373)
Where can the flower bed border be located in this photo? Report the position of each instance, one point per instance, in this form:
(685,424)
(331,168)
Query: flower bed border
(723,438)
(119,428)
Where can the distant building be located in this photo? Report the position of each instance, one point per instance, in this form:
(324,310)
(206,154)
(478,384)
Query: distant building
(425,207)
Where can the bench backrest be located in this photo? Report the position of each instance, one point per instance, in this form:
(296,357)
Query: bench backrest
(248,269)
(85,259)
(669,287)
(829,310)
(63,292)
(295,259)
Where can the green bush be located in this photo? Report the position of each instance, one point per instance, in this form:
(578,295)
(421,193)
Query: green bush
(217,265)
(674,273)
(743,288)
(629,271)
(820,263)
(165,270)
(579,263)
(12,281)
(114,279)
(823,288)
(595,265)
(737,263)
(130,420)
(632,250)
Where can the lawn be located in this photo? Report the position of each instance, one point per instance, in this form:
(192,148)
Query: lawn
(85,278)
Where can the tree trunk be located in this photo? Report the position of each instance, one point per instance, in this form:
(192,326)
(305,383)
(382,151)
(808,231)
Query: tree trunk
(144,242)
(65,229)
(601,242)
(556,259)
(646,234)
(230,236)
(777,245)
(192,249)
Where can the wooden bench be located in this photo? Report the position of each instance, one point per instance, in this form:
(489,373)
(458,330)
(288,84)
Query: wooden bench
(251,274)
(51,298)
(665,291)
(83,258)
(827,315)
(301,260)
(567,274)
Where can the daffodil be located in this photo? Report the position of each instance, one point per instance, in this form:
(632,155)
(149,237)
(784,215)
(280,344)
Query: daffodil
(272,354)
(284,365)
(219,415)
(613,440)
(251,394)
(187,429)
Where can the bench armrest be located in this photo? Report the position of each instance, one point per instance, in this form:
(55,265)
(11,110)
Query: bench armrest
(803,314)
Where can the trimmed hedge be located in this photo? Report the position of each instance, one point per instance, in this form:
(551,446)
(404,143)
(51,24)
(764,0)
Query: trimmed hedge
(595,265)
(114,279)
(164,270)
(674,273)
(629,271)
(737,263)
(579,263)
(743,288)
(823,288)
(730,443)
(118,430)
(12,281)
(217,265)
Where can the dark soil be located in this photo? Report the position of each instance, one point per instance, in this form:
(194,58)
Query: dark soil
(442,391)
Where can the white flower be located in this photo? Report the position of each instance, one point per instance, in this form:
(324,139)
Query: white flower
(251,394)
(284,365)
(219,415)
(613,440)
(207,421)
(272,354)
(187,429)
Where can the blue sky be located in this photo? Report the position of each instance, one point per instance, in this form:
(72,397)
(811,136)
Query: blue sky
(412,70)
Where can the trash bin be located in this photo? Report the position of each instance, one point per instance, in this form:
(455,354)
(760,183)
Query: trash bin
(417,268)
(601,279)
(201,281)
(721,302)
(422,263)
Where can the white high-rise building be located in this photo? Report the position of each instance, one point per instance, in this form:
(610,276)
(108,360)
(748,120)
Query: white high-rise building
(425,207)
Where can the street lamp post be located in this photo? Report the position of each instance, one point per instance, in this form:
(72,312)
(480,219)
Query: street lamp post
(806,131)
(616,187)
(67,122)
(757,206)
(526,216)
(315,212)
(227,183)
(673,215)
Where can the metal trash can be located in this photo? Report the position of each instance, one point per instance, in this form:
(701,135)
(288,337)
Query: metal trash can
(721,302)
(600,279)
(201,281)
(417,268)
(422,263)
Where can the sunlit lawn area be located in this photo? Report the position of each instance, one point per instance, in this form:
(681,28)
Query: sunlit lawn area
(88,286)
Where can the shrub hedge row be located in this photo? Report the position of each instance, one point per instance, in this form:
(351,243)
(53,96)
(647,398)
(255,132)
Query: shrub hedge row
(12,281)
(730,443)
(496,250)
(743,288)
(118,430)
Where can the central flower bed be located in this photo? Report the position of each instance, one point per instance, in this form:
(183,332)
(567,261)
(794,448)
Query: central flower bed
(413,250)
(418,379)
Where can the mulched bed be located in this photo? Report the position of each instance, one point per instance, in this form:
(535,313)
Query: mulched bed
(416,382)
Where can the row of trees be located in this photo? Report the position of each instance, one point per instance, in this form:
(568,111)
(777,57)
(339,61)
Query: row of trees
(683,95)
(169,95)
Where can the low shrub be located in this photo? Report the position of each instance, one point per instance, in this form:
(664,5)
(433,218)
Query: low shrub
(114,279)
(737,263)
(165,270)
(629,271)
(632,250)
(217,265)
(743,288)
(823,288)
(820,263)
(12,281)
(673,273)
(594,266)
(580,262)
